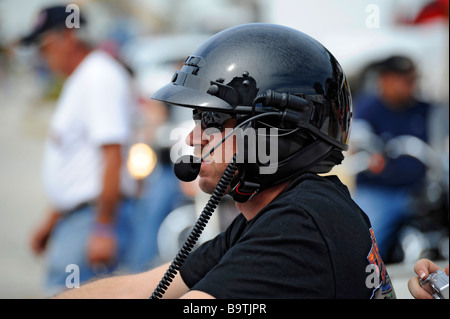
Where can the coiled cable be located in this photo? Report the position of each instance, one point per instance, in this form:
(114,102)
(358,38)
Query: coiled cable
(197,230)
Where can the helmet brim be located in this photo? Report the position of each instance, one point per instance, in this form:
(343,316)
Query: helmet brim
(183,96)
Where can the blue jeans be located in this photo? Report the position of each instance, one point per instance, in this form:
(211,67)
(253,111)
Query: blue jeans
(69,240)
(386,208)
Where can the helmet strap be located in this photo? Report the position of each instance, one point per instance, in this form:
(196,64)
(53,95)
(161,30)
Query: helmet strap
(249,181)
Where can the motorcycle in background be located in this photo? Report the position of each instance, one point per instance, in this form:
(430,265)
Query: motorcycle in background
(425,233)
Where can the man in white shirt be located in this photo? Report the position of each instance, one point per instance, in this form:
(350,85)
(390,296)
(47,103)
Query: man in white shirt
(83,167)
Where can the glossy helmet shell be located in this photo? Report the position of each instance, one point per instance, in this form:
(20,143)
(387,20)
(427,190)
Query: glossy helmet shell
(229,70)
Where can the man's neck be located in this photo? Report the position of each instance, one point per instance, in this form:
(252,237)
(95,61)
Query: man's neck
(77,57)
(252,207)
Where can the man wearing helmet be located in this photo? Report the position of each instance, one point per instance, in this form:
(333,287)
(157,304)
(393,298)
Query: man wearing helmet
(299,234)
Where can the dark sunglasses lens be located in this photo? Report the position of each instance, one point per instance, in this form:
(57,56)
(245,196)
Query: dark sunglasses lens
(210,119)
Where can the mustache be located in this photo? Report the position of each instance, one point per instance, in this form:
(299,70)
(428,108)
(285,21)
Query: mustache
(200,151)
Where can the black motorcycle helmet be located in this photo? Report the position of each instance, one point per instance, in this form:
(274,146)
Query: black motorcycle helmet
(258,68)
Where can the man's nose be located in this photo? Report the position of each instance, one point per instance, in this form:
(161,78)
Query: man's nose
(194,138)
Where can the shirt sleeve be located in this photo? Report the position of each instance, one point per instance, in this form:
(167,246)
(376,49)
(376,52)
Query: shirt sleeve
(282,255)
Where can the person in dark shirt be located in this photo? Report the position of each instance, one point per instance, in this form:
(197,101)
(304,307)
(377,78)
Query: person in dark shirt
(384,191)
(298,246)
(299,234)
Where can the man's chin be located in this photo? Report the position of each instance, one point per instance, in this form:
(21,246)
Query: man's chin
(206,185)
(208,177)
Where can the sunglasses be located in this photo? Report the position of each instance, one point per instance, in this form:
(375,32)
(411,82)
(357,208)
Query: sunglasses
(211,119)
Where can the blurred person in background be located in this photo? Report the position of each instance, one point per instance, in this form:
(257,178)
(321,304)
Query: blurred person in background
(83,168)
(385,191)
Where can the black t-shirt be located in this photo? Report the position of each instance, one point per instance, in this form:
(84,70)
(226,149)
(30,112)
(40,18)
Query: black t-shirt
(312,241)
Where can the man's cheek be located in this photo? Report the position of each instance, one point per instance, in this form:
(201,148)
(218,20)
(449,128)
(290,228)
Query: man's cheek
(212,136)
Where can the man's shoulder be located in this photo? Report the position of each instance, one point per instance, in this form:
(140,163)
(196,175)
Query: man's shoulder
(101,64)
(366,102)
(304,191)
(315,196)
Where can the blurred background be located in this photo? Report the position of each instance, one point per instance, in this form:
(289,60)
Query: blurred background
(152,37)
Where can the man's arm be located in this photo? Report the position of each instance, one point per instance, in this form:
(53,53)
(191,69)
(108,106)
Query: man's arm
(197,294)
(112,157)
(133,286)
(42,233)
(102,245)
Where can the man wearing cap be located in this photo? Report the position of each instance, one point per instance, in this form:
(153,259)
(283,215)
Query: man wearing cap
(386,189)
(83,163)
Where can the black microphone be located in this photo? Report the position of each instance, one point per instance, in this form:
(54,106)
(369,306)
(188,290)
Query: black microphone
(187,167)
